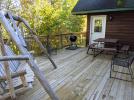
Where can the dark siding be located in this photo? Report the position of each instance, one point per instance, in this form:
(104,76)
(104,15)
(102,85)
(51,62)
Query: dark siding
(121,27)
(88,30)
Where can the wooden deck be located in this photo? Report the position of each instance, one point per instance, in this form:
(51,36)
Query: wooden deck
(80,77)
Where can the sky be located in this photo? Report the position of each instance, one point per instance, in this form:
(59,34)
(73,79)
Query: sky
(16,2)
(4,4)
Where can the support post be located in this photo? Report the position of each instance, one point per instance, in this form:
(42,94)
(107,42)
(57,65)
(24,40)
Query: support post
(61,41)
(39,42)
(7,69)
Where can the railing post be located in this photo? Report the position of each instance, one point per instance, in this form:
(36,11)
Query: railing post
(61,41)
(48,44)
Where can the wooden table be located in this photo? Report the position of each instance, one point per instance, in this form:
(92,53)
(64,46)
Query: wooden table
(104,40)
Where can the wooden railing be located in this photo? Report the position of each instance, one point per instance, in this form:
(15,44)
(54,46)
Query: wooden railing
(55,41)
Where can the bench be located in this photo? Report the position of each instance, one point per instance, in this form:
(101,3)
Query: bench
(108,49)
(101,50)
(92,46)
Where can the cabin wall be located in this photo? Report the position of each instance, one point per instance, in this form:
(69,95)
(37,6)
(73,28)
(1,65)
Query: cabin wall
(121,26)
(88,30)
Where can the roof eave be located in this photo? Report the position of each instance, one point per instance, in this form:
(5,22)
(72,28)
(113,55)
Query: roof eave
(102,11)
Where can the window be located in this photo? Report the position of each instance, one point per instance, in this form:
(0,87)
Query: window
(98,25)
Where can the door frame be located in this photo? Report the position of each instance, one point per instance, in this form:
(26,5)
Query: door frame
(91,19)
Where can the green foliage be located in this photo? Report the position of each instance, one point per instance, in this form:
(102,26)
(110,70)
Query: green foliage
(120,3)
(47,16)
(51,17)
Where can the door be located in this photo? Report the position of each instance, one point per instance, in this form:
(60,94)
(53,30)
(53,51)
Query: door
(97,27)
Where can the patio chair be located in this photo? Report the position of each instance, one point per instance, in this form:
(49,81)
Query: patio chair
(21,73)
(122,60)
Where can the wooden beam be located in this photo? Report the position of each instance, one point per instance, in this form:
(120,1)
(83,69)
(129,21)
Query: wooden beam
(39,42)
(19,19)
(17,29)
(88,31)
(7,69)
(16,18)
(23,79)
(13,75)
(7,58)
(31,62)
(18,91)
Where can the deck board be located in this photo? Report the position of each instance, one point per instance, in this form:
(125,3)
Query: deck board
(80,77)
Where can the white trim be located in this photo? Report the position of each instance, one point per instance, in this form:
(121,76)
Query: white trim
(91,19)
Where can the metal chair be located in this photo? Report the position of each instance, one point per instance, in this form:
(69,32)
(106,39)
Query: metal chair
(122,60)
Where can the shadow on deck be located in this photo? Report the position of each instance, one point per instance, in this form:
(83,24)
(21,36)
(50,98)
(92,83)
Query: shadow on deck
(79,77)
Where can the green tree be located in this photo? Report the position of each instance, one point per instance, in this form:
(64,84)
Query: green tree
(51,16)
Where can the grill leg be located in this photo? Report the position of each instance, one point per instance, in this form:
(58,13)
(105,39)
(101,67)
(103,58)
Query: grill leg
(111,68)
(88,49)
(131,72)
